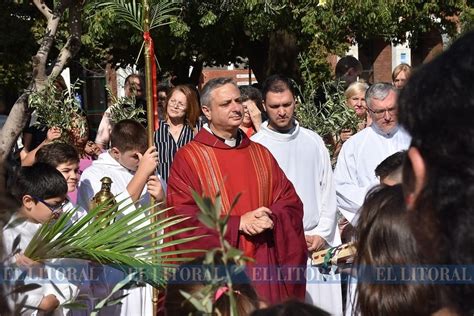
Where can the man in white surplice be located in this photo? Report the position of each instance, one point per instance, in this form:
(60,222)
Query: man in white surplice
(302,155)
(360,155)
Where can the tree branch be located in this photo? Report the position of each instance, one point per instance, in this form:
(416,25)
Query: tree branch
(53,19)
(73,43)
(19,113)
(44,9)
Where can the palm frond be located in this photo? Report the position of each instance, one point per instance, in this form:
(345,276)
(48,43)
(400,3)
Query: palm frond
(107,301)
(121,236)
(163,12)
(127,11)
(131,12)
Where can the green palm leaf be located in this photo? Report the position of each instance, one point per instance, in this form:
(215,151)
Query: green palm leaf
(131,12)
(121,236)
(128,11)
(162,13)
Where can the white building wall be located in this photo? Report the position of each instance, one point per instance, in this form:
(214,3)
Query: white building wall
(400,54)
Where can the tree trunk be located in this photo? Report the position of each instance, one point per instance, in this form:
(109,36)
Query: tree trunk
(276,55)
(19,113)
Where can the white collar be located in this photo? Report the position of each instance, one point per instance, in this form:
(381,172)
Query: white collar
(229,142)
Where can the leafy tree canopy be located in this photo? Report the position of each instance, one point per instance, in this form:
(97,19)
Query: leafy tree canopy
(270,33)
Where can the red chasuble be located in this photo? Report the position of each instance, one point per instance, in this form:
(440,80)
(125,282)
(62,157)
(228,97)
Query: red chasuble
(208,166)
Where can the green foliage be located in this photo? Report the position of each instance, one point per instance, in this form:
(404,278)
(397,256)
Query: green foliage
(56,108)
(112,299)
(131,12)
(208,19)
(212,218)
(121,235)
(125,108)
(219,32)
(330,118)
(467,19)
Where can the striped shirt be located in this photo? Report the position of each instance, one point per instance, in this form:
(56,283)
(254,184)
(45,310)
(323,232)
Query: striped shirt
(167,146)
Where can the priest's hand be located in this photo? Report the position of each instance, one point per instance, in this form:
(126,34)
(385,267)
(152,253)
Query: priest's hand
(315,242)
(256,221)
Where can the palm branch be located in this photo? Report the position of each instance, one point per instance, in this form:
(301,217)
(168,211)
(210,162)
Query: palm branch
(131,12)
(122,236)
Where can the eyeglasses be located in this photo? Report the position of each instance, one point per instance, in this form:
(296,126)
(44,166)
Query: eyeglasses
(177,104)
(381,112)
(56,209)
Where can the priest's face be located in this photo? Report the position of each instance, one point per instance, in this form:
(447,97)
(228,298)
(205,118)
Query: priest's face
(384,113)
(225,113)
(280,107)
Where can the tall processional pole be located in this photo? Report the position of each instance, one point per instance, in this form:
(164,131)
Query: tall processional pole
(150,100)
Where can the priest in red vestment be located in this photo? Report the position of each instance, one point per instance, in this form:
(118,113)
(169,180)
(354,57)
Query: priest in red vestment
(267,221)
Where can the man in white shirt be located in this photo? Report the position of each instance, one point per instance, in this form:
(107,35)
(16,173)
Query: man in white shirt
(302,155)
(362,153)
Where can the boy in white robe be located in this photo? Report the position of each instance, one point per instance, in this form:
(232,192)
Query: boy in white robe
(303,157)
(65,158)
(131,167)
(41,191)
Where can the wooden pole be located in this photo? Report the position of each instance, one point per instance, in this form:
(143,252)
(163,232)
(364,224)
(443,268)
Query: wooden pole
(148,73)
(149,105)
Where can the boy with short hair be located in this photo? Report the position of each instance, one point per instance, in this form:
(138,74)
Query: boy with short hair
(129,164)
(389,171)
(40,191)
(65,159)
(132,169)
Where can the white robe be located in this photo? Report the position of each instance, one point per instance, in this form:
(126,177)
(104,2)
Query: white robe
(86,292)
(355,170)
(305,160)
(139,300)
(68,291)
(78,214)
(105,166)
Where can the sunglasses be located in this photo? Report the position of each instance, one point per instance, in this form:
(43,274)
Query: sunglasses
(56,210)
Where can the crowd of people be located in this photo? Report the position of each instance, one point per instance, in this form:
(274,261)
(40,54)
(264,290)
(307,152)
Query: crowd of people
(401,191)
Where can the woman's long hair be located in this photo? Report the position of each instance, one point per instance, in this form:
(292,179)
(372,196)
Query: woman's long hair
(384,240)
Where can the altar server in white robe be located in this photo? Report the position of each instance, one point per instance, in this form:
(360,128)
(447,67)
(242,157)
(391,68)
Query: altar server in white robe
(302,155)
(363,152)
(129,164)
